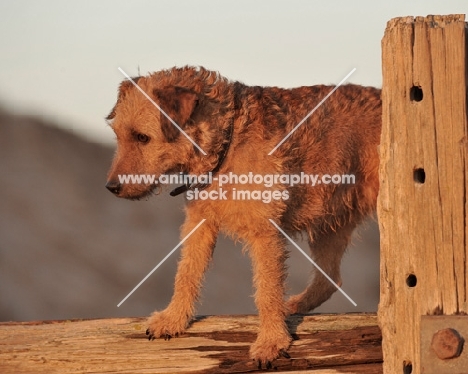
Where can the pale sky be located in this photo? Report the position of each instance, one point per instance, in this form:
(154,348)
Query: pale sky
(59,59)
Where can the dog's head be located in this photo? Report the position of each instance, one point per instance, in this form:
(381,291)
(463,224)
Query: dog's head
(157,125)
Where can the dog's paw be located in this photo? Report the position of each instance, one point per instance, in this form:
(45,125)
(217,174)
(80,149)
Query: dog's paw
(293,305)
(165,325)
(268,348)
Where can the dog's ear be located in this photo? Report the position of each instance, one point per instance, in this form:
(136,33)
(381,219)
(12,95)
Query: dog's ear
(179,104)
(123,90)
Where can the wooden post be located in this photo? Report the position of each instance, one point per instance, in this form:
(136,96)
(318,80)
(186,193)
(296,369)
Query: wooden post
(422,204)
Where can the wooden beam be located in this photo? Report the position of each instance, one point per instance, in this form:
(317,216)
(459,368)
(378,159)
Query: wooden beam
(423,172)
(325,344)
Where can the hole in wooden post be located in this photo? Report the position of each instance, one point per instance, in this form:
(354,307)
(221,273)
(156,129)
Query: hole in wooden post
(411,280)
(416,93)
(407,367)
(419,175)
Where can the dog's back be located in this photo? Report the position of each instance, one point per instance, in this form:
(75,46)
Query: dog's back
(339,138)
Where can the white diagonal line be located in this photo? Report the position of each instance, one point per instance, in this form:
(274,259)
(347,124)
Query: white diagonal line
(313,262)
(311,112)
(162,261)
(163,112)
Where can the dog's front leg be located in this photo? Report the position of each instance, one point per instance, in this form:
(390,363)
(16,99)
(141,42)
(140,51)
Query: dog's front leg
(196,255)
(268,257)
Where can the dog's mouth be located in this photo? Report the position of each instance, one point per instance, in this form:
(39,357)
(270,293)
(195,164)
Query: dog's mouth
(135,191)
(153,189)
(138,191)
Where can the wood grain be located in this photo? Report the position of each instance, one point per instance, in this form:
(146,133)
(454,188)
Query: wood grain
(422,220)
(324,344)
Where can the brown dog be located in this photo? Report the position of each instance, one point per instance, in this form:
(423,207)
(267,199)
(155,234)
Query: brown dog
(237,126)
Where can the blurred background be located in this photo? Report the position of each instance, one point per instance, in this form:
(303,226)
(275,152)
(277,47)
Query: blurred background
(68,248)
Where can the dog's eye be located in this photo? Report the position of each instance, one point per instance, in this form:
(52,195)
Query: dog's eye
(142,138)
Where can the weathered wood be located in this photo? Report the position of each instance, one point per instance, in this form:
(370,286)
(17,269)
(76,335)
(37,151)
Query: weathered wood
(325,344)
(423,173)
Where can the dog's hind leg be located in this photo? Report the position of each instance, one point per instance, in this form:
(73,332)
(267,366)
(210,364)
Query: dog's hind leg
(327,250)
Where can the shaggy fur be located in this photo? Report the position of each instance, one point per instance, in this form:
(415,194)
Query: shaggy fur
(341,137)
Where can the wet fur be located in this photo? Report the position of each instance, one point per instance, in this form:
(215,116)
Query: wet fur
(341,137)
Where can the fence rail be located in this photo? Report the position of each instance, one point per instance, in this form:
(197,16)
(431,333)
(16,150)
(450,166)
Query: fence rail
(349,343)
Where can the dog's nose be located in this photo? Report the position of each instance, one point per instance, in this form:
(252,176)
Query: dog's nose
(113,186)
